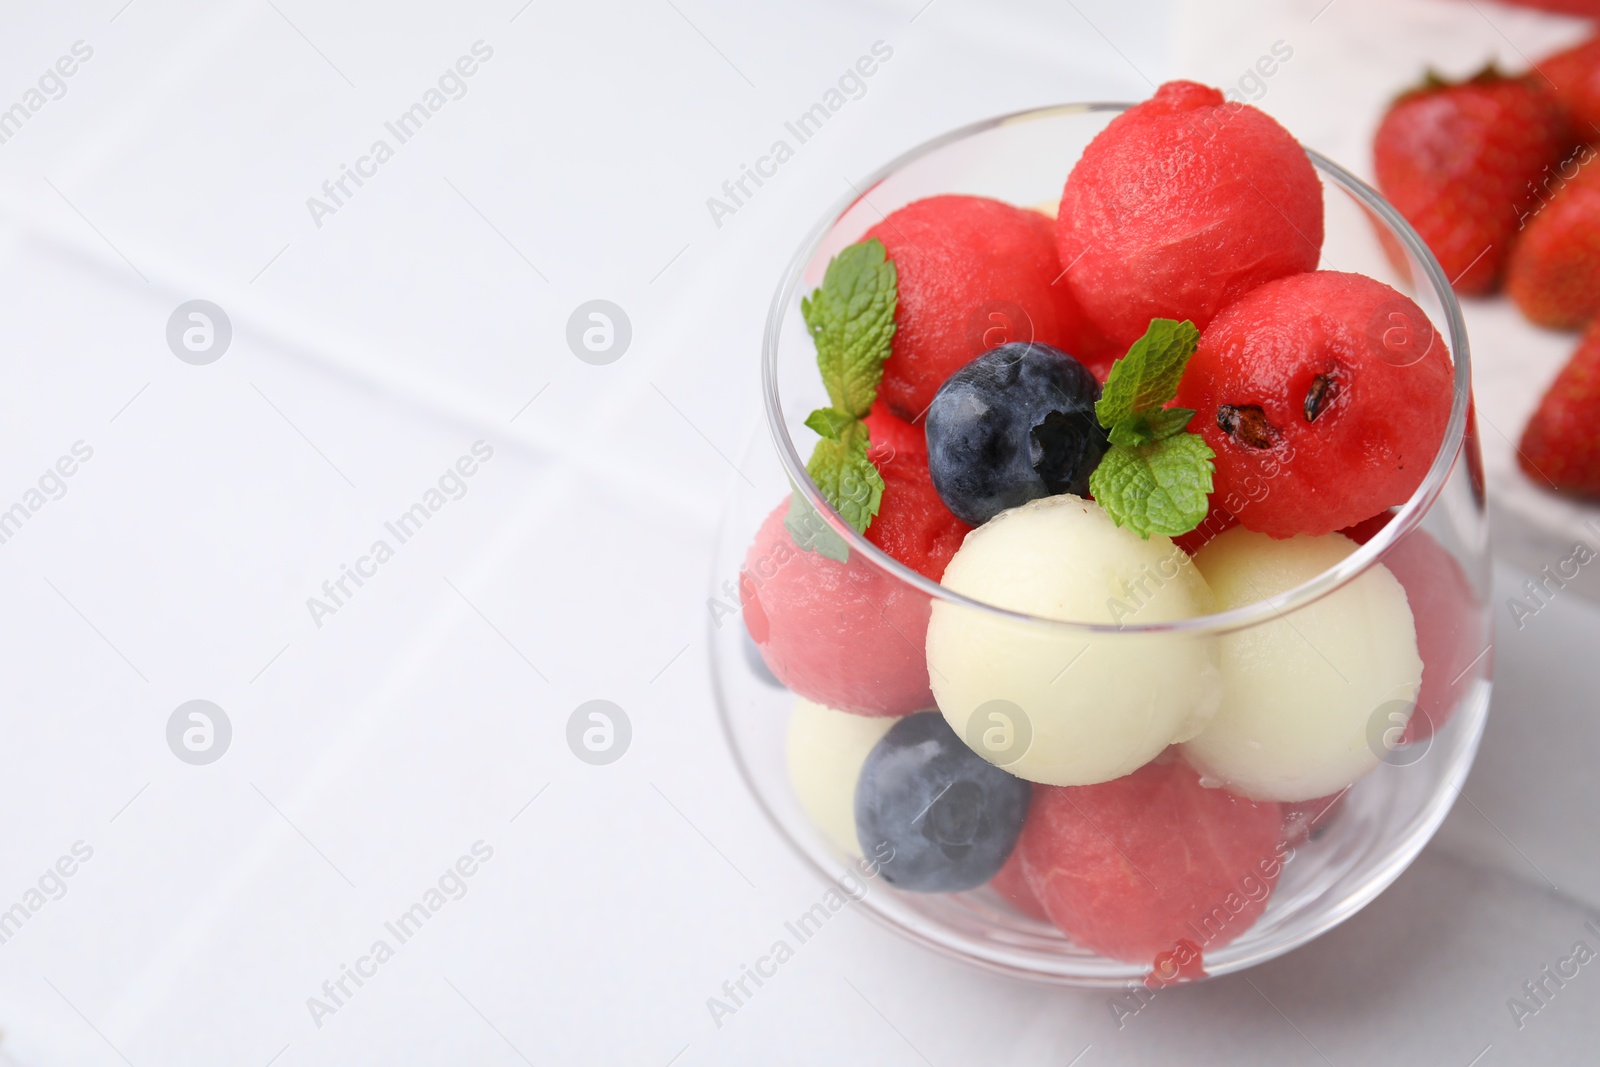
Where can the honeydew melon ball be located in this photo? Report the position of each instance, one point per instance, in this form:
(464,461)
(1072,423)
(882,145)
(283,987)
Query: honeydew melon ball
(826,748)
(1301,692)
(1057,705)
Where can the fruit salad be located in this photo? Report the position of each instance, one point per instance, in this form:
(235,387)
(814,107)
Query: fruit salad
(1187,418)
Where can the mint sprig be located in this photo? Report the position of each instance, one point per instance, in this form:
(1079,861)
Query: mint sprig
(851,320)
(846,476)
(1155,477)
(1147,377)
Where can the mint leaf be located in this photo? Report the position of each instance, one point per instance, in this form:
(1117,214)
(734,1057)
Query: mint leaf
(829,423)
(851,319)
(1148,426)
(810,533)
(1155,477)
(1147,377)
(1159,488)
(847,478)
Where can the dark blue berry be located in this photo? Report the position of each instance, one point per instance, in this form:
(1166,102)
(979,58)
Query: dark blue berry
(949,816)
(1015,424)
(757,665)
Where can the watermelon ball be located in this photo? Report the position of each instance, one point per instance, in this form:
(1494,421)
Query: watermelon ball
(1130,867)
(893,436)
(846,635)
(974,273)
(1182,205)
(1011,882)
(913,525)
(946,817)
(1181,963)
(1015,424)
(1325,398)
(849,635)
(1452,634)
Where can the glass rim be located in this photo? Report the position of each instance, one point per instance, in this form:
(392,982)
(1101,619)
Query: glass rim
(1407,518)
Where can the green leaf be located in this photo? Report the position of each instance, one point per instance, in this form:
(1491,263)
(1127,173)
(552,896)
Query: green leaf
(1148,426)
(1147,377)
(829,423)
(1159,488)
(1155,477)
(847,478)
(851,319)
(1168,422)
(810,533)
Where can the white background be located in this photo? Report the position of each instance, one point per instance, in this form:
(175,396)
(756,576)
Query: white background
(372,351)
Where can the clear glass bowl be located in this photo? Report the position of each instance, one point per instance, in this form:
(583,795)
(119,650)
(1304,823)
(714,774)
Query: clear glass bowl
(1387,816)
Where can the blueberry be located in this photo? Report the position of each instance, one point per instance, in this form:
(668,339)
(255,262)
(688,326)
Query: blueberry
(753,660)
(1015,424)
(950,816)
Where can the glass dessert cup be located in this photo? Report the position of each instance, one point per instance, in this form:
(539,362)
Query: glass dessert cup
(1388,815)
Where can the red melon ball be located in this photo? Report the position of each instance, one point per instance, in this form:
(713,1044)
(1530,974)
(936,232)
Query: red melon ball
(1011,882)
(850,635)
(1325,397)
(1128,868)
(1182,205)
(1452,634)
(888,431)
(912,524)
(842,634)
(974,274)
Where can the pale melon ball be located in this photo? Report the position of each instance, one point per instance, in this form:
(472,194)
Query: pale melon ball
(1300,692)
(826,748)
(1063,707)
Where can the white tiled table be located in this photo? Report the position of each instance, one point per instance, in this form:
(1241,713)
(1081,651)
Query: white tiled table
(428,712)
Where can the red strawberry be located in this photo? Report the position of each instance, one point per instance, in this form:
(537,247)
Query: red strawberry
(1554,272)
(1457,161)
(1561,445)
(1567,7)
(1575,79)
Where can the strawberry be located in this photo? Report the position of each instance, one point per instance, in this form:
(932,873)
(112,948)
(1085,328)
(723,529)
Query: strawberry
(1575,79)
(1457,161)
(1554,271)
(1565,7)
(1561,445)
